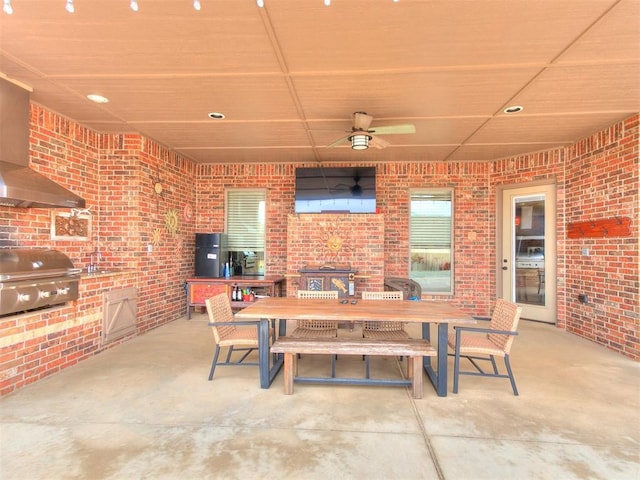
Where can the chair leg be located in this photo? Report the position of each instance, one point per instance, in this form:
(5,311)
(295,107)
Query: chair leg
(229,354)
(511,378)
(456,369)
(333,365)
(493,363)
(213,364)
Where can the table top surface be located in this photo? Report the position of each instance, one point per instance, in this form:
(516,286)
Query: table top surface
(363,310)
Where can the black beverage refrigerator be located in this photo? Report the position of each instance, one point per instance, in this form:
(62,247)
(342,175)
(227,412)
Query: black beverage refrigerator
(211,254)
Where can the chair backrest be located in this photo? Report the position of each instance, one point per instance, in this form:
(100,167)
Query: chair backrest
(318,294)
(409,287)
(506,316)
(318,324)
(385,295)
(219,310)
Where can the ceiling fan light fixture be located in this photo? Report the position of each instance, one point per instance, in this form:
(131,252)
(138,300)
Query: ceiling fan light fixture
(7,8)
(359,141)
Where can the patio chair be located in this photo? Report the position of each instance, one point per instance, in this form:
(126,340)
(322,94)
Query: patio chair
(410,288)
(496,342)
(317,328)
(387,330)
(238,338)
(384,330)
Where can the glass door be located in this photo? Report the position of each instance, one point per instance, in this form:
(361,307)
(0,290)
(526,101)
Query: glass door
(528,251)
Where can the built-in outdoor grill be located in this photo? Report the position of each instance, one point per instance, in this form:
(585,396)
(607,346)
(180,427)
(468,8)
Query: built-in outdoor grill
(532,260)
(35,278)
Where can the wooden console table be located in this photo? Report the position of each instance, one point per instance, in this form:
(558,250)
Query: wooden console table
(201,288)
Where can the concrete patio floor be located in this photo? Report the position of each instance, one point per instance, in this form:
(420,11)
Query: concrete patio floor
(145,410)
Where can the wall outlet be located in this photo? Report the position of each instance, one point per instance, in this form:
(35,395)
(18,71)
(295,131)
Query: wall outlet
(585,252)
(149,247)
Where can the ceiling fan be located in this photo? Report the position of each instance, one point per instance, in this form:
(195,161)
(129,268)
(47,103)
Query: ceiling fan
(361,136)
(355,189)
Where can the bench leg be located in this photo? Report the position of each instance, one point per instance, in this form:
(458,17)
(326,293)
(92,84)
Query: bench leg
(290,365)
(414,364)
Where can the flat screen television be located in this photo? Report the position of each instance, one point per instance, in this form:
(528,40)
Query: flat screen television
(335,190)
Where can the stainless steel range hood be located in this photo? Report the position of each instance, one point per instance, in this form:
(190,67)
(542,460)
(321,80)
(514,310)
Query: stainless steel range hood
(21,186)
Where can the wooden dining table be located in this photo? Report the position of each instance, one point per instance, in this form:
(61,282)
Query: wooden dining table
(440,313)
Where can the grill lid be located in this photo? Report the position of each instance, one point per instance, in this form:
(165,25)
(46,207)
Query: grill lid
(19,264)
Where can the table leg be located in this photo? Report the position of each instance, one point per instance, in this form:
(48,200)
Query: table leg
(438,378)
(267,373)
(290,368)
(442,359)
(263,352)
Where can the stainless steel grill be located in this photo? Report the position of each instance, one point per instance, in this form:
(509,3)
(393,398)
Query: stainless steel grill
(533,260)
(35,278)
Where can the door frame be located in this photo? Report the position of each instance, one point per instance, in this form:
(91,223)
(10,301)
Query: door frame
(550,239)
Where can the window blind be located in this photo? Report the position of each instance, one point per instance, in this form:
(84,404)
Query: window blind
(245,212)
(430,232)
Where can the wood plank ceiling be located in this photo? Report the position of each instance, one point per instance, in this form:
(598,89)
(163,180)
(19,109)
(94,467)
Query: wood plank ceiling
(288,76)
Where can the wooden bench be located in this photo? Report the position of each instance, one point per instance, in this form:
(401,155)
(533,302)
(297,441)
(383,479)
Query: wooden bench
(413,349)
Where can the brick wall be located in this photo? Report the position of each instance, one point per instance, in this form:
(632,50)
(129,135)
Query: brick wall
(546,166)
(474,282)
(277,179)
(602,182)
(115,175)
(595,178)
(362,249)
(134,231)
(474,276)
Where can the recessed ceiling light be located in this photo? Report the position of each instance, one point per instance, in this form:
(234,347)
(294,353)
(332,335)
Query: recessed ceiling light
(97,98)
(216,115)
(513,109)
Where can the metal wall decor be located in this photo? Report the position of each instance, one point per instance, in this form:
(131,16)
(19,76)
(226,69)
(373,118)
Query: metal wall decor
(171,221)
(70,226)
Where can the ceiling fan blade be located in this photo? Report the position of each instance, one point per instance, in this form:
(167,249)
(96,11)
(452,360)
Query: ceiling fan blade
(361,120)
(378,142)
(389,129)
(339,141)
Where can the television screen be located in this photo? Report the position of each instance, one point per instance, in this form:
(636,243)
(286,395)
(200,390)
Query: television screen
(336,190)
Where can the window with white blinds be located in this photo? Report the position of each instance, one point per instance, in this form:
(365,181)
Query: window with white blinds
(430,231)
(430,239)
(245,217)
